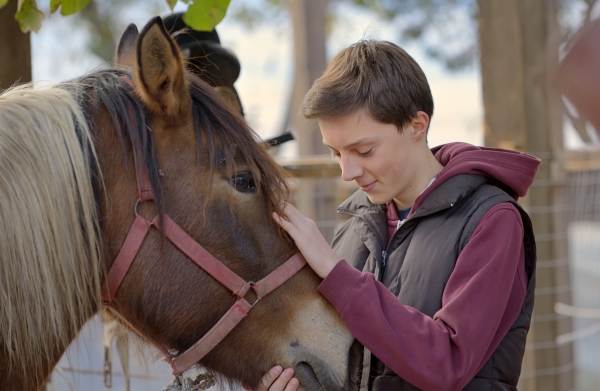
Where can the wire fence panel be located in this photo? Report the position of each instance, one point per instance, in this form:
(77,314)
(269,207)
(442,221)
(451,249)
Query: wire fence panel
(584,260)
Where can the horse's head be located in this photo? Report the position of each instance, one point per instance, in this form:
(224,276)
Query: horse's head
(209,174)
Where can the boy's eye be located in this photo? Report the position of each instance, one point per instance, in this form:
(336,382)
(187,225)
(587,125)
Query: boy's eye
(366,153)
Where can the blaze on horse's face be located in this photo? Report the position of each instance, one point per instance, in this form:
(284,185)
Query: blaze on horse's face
(220,186)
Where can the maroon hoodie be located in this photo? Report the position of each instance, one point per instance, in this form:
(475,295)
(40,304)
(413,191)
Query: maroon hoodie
(482,297)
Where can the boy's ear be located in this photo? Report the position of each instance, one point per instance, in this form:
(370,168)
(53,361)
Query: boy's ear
(159,72)
(420,125)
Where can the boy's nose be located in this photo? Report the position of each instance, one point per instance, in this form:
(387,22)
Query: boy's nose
(350,170)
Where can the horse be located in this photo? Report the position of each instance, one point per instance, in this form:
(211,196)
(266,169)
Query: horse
(71,155)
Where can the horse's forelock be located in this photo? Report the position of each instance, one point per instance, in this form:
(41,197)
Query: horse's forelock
(228,135)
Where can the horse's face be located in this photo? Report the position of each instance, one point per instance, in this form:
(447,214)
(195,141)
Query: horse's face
(220,186)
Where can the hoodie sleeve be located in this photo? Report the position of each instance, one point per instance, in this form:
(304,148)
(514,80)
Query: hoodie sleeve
(481,301)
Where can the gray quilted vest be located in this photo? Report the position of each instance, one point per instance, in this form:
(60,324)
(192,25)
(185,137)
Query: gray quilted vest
(408,263)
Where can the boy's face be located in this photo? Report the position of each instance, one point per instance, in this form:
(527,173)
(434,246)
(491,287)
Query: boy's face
(381,160)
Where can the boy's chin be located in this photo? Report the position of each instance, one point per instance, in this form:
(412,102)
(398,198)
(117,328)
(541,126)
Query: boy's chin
(376,200)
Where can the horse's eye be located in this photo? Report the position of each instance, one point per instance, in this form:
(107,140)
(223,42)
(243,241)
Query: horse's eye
(244,182)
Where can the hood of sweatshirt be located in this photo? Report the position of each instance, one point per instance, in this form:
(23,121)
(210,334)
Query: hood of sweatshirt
(510,170)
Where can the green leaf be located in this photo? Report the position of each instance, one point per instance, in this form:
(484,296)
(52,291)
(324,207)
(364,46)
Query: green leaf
(28,16)
(204,15)
(171,3)
(68,7)
(3,3)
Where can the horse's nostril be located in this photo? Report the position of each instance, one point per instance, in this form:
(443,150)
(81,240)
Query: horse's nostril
(307,377)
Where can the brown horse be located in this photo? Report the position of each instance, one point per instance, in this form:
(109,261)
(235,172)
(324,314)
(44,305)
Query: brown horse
(67,195)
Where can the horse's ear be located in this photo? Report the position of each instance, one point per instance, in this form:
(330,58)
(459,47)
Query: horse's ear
(125,55)
(159,75)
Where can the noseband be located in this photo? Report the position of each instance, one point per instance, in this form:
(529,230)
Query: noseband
(201,257)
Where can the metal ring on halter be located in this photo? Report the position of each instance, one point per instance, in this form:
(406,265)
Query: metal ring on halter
(135,212)
(252,283)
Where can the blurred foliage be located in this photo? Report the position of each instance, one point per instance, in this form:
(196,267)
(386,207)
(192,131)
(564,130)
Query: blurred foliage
(68,7)
(204,15)
(572,15)
(28,16)
(106,20)
(200,15)
(446,30)
(253,13)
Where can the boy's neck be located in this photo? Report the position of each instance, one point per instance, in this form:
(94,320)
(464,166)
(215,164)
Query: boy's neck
(425,172)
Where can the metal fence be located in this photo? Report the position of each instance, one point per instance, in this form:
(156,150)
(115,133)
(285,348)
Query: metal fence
(584,264)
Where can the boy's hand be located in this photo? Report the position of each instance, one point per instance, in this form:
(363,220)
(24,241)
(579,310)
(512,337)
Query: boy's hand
(313,246)
(278,379)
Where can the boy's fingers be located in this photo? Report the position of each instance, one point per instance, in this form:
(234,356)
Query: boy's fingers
(285,224)
(269,378)
(292,385)
(297,219)
(293,214)
(282,382)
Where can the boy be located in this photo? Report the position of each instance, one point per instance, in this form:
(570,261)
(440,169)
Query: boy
(437,254)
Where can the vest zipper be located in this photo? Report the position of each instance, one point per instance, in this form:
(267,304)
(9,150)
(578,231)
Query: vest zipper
(383,261)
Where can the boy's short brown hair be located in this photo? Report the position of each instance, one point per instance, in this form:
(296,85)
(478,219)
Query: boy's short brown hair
(376,75)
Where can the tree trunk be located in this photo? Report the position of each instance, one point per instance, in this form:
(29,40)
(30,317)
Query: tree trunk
(317,198)
(519,56)
(15,49)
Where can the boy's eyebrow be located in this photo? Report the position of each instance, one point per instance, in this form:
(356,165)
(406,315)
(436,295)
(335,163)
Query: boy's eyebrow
(353,144)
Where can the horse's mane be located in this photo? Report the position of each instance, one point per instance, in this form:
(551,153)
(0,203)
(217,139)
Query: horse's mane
(49,238)
(50,246)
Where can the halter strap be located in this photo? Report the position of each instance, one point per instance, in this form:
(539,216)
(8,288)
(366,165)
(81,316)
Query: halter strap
(138,231)
(213,267)
(203,258)
(236,313)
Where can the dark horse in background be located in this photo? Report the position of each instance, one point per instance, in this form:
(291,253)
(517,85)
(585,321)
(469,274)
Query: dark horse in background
(68,186)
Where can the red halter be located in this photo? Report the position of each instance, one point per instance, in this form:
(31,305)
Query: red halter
(202,258)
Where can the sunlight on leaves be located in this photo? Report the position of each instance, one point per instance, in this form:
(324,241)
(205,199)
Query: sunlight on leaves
(204,15)
(3,3)
(68,7)
(28,16)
